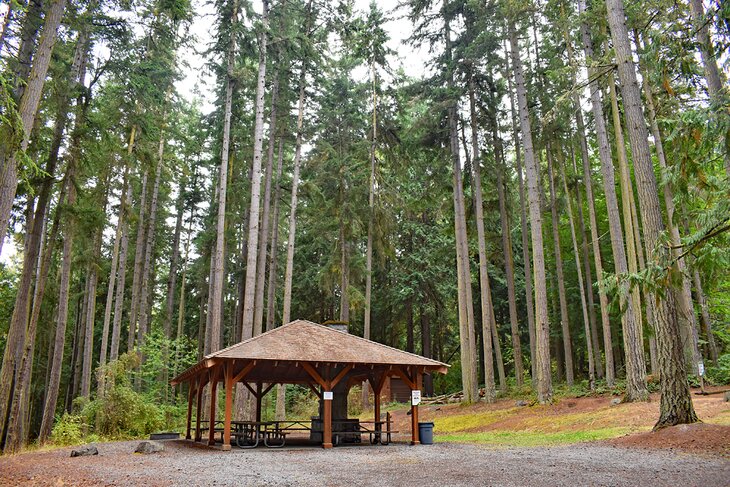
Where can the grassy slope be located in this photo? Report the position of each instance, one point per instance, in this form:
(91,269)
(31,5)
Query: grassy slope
(569,420)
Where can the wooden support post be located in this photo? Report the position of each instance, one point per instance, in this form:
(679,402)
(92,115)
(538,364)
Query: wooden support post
(259,396)
(199,398)
(327,420)
(415,435)
(229,406)
(191,391)
(213,403)
(376,408)
(377,382)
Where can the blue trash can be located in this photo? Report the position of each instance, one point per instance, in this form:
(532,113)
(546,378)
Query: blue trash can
(425,433)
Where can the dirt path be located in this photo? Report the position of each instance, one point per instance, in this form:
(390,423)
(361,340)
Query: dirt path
(395,464)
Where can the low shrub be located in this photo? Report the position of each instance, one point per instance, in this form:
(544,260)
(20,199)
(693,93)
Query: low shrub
(68,430)
(720,374)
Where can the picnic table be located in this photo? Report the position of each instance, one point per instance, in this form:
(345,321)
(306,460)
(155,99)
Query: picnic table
(379,431)
(250,434)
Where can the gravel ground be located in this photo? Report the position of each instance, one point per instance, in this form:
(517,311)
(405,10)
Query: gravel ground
(395,464)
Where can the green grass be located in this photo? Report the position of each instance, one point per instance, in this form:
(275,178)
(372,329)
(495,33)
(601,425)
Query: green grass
(531,438)
(722,419)
(463,422)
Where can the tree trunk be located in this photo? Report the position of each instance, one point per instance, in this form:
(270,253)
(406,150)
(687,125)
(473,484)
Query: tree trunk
(507,251)
(491,322)
(542,326)
(629,298)
(289,272)
(247,328)
(564,320)
(27,108)
(21,65)
(172,275)
(581,133)
(371,219)
(147,283)
(274,252)
(581,286)
(676,402)
(466,310)
(138,264)
(486,301)
(344,269)
(72,388)
(265,215)
(585,254)
(74,158)
(215,293)
(181,300)
(49,409)
(526,259)
(713,76)
(116,266)
(688,322)
(90,314)
(426,347)
(6,25)
(17,332)
(705,315)
(122,268)
(16,436)
(93,277)
(602,297)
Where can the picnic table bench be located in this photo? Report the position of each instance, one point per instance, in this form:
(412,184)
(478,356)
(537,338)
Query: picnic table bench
(249,434)
(273,434)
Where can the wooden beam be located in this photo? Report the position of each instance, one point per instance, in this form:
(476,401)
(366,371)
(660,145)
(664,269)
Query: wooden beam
(244,371)
(253,391)
(377,381)
(268,388)
(406,378)
(259,396)
(339,376)
(229,406)
(327,422)
(314,375)
(376,405)
(191,392)
(215,374)
(199,397)
(315,390)
(212,362)
(415,433)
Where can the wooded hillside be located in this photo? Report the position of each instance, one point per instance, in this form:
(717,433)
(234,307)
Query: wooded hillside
(548,203)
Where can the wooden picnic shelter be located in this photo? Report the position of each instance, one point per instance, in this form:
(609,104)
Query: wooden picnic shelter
(326,359)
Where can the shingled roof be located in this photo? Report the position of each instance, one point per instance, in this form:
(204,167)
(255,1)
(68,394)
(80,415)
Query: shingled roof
(305,341)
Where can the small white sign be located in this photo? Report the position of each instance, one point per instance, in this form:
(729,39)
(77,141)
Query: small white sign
(701,368)
(415,398)
(327,396)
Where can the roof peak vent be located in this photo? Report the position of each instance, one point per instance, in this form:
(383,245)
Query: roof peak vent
(342,326)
